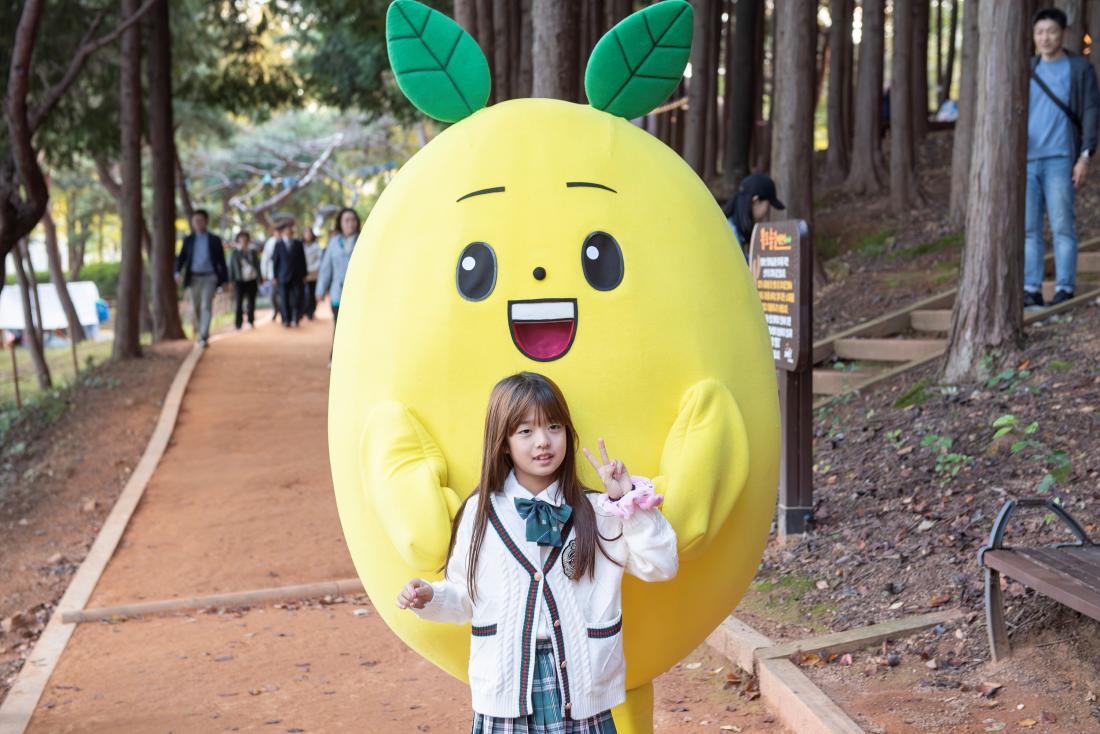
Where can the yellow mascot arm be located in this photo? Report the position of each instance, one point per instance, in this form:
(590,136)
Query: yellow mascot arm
(405,480)
(704,465)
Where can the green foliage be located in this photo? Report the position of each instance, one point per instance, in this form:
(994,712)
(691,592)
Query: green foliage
(950,241)
(875,243)
(438,66)
(948,463)
(1060,365)
(105,276)
(1008,379)
(1056,463)
(639,62)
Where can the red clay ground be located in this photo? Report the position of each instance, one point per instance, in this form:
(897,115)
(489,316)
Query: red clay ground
(242,499)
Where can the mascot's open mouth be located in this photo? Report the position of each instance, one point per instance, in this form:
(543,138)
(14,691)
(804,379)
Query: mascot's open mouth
(543,329)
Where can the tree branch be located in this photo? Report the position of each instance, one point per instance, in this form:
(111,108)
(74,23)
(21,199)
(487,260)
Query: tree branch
(86,48)
(285,194)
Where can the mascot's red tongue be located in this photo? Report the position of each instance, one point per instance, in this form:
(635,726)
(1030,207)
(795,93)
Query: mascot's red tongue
(543,340)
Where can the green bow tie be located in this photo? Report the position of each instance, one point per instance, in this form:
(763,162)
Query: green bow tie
(544,520)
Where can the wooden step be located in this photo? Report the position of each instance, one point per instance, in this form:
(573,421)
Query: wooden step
(933,321)
(888,350)
(1088,262)
(838,382)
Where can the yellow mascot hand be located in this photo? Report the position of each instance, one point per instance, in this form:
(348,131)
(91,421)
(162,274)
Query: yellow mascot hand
(704,465)
(404,477)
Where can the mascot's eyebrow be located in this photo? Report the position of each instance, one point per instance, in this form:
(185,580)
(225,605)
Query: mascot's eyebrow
(479,192)
(589,185)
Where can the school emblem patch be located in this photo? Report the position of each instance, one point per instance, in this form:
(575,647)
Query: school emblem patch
(569,559)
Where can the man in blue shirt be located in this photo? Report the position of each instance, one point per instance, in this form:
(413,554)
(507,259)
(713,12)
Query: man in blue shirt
(201,263)
(1063,106)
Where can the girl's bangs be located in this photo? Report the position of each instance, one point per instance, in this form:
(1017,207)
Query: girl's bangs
(540,400)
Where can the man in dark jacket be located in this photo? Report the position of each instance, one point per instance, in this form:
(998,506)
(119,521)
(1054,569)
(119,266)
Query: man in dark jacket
(289,267)
(1063,114)
(201,265)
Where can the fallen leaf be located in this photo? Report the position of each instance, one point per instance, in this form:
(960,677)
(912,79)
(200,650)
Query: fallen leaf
(730,727)
(926,525)
(810,659)
(718,670)
(846,659)
(1049,718)
(939,600)
(1028,723)
(996,726)
(989,688)
(822,585)
(693,666)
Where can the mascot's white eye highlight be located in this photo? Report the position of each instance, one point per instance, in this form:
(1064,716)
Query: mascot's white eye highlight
(476,274)
(602,261)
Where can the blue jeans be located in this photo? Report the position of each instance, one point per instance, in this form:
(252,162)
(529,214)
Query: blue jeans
(1050,184)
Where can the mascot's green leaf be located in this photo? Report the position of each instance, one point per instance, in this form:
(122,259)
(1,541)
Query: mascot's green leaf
(639,62)
(438,66)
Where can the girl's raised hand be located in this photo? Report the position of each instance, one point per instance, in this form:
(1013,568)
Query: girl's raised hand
(416,594)
(613,473)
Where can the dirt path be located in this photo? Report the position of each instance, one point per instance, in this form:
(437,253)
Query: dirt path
(242,499)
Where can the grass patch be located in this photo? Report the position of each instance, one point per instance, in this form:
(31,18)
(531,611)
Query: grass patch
(779,599)
(916,395)
(1060,365)
(875,243)
(947,242)
(60,362)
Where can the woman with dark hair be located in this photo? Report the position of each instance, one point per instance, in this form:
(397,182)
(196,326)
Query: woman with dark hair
(334,261)
(753,203)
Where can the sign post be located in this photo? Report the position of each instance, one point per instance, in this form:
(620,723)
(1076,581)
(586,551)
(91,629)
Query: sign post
(781,262)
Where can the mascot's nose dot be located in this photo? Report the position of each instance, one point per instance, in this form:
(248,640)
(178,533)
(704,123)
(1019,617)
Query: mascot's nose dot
(539,273)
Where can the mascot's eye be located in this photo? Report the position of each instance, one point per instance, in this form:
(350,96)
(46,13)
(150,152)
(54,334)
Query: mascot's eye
(477,271)
(602,261)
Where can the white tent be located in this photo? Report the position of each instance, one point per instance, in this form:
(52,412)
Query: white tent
(83,293)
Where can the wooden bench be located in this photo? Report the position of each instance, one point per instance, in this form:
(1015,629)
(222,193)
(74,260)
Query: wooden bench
(1069,573)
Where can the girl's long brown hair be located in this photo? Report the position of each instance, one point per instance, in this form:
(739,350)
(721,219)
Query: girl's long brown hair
(512,399)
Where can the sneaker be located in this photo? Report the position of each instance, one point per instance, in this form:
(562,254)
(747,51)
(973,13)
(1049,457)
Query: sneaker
(1032,301)
(1061,296)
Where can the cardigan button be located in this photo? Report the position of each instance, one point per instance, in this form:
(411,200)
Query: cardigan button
(538,575)
(563,665)
(568,707)
(557,623)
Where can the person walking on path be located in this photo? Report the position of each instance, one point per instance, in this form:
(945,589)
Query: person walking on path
(244,271)
(267,272)
(1063,114)
(313,267)
(201,267)
(529,510)
(334,261)
(289,267)
(753,202)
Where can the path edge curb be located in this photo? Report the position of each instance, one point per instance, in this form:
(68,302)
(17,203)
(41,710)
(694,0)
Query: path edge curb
(23,697)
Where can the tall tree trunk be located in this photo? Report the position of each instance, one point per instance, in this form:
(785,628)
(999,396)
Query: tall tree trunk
(695,142)
(127,342)
(741,76)
(823,55)
(836,158)
(849,75)
(793,112)
(714,37)
(962,147)
(77,231)
(1074,9)
(949,67)
(866,174)
(904,189)
(616,10)
(554,51)
(525,72)
(466,15)
(57,276)
(31,335)
(164,296)
(918,70)
(485,40)
(988,315)
(502,49)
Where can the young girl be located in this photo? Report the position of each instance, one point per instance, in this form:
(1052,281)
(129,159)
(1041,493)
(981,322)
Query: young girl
(536,563)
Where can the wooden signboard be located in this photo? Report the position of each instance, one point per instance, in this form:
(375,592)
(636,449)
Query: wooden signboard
(781,262)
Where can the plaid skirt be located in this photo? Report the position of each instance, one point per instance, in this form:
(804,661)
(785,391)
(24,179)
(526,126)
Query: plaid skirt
(549,709)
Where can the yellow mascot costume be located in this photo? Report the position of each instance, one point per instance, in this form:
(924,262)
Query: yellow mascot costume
(543,235)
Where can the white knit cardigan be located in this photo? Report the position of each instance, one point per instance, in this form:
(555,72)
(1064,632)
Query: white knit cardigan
(586,613)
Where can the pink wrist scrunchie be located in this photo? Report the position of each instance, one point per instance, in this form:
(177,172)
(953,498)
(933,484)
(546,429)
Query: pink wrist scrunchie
(642,497)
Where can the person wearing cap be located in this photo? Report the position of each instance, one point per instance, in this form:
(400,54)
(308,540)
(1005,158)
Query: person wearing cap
(1062,121)
(752,203)
(288,263)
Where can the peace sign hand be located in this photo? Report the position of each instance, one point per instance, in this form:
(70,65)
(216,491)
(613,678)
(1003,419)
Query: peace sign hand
(613,473)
